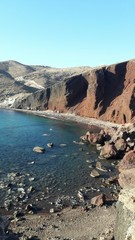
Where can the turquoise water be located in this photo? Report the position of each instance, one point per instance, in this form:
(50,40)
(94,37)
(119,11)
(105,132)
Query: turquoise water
(60,171)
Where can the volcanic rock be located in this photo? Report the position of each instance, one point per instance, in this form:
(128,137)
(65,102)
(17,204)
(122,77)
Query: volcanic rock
(128,161)
(125,222)
(108,151)
(97,94)
(100,167)
(120,144)
(98,200)
(127,178)
(94,173)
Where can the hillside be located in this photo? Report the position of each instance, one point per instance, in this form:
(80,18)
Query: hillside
(18,80)
(106,92)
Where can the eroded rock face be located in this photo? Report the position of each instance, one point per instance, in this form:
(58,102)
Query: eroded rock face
(127,178)
(128,162)
(125,223)
(107,93)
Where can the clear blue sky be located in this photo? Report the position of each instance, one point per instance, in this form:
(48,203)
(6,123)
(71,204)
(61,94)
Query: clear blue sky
(63,33)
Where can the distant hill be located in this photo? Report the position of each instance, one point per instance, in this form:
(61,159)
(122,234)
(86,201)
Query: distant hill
(19,80)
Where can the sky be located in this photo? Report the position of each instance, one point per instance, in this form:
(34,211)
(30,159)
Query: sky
(67,33)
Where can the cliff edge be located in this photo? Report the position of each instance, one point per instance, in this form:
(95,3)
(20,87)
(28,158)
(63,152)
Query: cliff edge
(106,93)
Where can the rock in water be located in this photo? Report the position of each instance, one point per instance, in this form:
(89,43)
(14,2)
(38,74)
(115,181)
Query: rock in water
(100,167)
(50,145)
(94,173)
(39,149)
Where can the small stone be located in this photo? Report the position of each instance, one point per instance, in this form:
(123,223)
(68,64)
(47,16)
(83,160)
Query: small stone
(39,149)
(100,167)
(94,173)
(63,145)
(31,179)
(50,145)
(30,189)
(52,210)
(99,147)
(81,196)
(31,163)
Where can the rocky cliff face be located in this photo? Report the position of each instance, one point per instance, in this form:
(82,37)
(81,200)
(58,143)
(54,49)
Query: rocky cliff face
(106,93)
(111,93)
(60,97)
(17,78)
(125,223)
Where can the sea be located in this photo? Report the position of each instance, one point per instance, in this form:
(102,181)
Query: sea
(27,177)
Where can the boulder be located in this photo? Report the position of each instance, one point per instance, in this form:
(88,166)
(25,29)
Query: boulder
(108,151)
(127,178)
(120,144)
(39,149)
(128,161)
(98,200)
(94,173)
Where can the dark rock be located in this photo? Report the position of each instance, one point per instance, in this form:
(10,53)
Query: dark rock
(112,180)
(18,214)
(31,208)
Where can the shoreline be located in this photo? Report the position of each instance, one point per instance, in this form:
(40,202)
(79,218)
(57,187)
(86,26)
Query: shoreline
(66,223)
(70,224)
(70,117)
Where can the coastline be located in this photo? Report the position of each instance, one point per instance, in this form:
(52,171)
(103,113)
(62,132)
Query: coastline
(70,117)
(70,224)
(73,218)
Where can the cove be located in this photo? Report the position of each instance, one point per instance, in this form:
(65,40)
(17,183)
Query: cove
(29,177)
